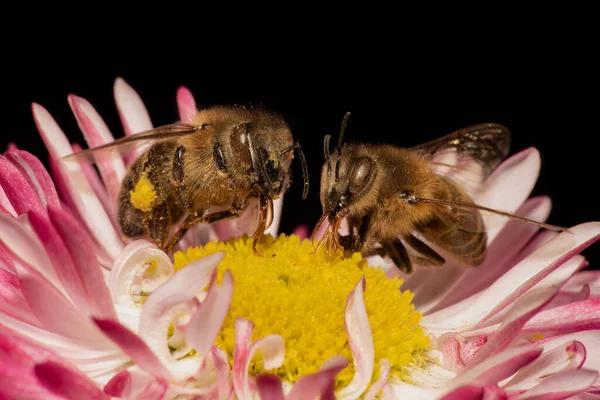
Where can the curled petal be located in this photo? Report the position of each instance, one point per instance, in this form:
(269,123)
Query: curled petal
(321,383)
(159,308)
(119,385)
(272,347)
(186,104)
(134,347)
(135,384)
(140,267)
(360,339)
(450,347)
(206,323)
(561,385)
(384,372)
(498,367)
(66,383)
(563,358)
(38,177)
(519,314)
(269,387)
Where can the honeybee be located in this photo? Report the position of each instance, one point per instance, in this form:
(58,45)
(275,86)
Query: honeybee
(390,196)
(225,157)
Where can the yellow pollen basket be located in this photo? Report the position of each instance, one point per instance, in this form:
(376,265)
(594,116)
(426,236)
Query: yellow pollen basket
(301,295)
(143,195)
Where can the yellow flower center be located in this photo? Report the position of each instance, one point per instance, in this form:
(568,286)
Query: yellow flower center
(143,195)
(301,295)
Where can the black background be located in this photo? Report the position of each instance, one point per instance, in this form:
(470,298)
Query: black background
(547,97)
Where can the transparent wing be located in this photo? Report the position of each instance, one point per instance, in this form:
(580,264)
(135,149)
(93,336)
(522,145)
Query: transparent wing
(128,143)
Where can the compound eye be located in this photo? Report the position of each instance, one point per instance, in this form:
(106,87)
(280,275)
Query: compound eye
(240,145)
(362,172)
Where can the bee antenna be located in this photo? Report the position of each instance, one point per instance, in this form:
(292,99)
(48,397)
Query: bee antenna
(343,129)
(304,170)
(296,146)
(326,140)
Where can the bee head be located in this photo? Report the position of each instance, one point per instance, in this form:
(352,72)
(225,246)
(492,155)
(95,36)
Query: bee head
(347,176)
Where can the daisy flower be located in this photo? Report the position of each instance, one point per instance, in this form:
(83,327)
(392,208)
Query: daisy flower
(87,314)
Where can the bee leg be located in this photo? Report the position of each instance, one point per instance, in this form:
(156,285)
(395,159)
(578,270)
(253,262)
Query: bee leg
(183,200)
(195,218)
(158,223)
(427,254)
(397,252)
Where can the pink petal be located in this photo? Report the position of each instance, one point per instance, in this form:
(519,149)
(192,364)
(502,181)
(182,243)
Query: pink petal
(80,193)
(566,357)
(221,361)
(269,387)
(180,288)
(384,372)
(96,133)
(468,392)
(21,383)
(21,195)
(523,309)
(79,245)
(578,316)
(497,368)
(524,165)
(24,245)
(134,347)
(36,173)
(515,282)
(5,205)
(272,347)
(133,113)
(119,385)
(96,184)
(12,302)
(62,260)
(186,104)
(590,339)
(135,385)
(52,309)
(206,323)
(451,349)
(19,355)
(360,340)
(11,147)
(321,383)
(65,383)
(561,385)
(302,231)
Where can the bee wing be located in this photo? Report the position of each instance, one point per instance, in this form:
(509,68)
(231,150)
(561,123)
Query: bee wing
(451,211)
(128,143)
(487,144)
(468,155)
